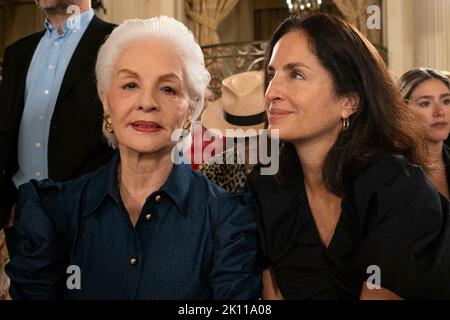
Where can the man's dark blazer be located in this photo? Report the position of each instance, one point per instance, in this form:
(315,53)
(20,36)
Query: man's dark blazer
(76,145)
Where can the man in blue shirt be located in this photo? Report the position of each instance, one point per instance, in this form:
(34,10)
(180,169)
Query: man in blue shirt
(50,114)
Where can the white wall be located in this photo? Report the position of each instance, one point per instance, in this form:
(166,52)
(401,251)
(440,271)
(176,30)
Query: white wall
(417,34)
(398,35)
(432,33)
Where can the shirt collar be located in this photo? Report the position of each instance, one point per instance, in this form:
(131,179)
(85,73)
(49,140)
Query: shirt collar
(70,24)
(177,187)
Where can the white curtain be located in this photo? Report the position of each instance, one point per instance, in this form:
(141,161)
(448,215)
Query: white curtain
(354,10)
(356,13)
(206,16)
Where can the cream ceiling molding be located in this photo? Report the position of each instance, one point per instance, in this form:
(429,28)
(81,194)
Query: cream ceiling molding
(206,16)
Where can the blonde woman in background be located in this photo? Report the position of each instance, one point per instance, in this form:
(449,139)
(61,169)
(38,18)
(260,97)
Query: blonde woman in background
(427,93)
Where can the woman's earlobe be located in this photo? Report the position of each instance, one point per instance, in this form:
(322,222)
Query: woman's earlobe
(104,101)
(351,105)
(355,101)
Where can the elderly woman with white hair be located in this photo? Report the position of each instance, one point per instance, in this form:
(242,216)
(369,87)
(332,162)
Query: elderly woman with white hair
(141,227)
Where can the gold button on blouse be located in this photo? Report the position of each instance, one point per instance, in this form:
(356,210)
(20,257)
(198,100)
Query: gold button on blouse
(158,198)
(148,217)
(133,261)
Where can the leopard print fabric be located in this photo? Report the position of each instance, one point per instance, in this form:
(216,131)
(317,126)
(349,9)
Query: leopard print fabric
(4,280)
(231,177)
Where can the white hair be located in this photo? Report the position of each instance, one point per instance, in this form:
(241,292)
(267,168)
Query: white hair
(164,30)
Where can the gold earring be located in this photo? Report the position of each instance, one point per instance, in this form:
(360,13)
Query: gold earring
(345,123)
(108,123)
(187,125)
(185,129)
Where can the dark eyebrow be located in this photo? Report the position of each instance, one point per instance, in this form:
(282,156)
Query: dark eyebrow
(424,97)
(289,66)
(292,66)
(431,97)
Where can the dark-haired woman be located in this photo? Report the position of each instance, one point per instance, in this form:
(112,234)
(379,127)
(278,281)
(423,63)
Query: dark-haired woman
(427,93)
(350,215)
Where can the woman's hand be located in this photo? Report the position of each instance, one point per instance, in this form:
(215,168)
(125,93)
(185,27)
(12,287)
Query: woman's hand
(270,290)
(378,294)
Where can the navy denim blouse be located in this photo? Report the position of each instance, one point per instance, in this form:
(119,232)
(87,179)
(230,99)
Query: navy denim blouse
(193,240)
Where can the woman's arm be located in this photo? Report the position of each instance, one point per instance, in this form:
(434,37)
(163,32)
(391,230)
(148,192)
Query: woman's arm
(270,286)
(404,230)
(38,266)
(236,271)
(378,294)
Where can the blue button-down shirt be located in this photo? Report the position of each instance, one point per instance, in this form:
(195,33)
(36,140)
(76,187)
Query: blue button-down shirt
(193,240)
(44,79)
